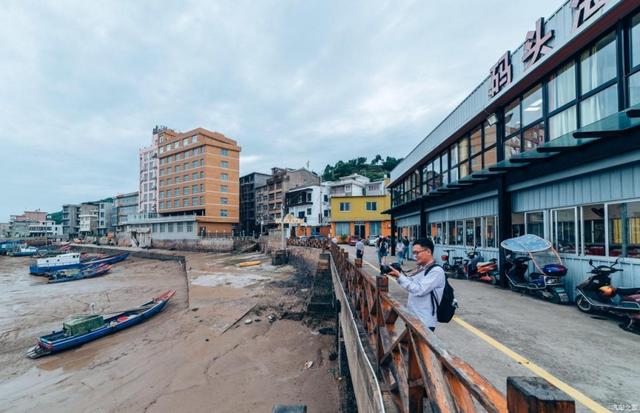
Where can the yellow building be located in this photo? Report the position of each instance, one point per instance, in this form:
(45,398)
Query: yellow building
(360,215)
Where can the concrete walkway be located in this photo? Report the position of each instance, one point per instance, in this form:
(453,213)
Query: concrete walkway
(591,355)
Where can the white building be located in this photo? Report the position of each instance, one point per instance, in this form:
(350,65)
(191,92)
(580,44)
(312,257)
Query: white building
(105,220)
(350,185)
(45,229)
(310,203)
(148,164)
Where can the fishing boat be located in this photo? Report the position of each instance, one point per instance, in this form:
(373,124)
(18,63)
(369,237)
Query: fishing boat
(85,328)
(8,246)
(91,271)
(71,260)
(23,251)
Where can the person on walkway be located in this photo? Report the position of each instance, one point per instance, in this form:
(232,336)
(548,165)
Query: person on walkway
(383,251)
(359,248)
(378,242)
(400,251)
(421,282)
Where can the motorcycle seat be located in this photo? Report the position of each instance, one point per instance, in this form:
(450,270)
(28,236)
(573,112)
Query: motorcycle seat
(482,264)
(627,291)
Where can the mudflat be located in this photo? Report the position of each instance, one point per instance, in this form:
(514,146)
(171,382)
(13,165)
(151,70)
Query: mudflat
(223,343)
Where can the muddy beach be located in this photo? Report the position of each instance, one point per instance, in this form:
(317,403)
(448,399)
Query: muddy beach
(200,354)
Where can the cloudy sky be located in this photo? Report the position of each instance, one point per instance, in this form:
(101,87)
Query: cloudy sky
(82,83)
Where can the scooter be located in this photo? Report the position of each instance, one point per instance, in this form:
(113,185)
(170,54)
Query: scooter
(547,282)
(480,270)
(455,270)
(597,294)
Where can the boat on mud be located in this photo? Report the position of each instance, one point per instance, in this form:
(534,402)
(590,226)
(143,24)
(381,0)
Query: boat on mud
(85,328)
(91,271)
(72,260)
(23,251)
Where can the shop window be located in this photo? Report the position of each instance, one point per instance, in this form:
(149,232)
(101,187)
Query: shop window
(512,118)
(490,157)
(438,236)
(635,41)
(463,169)
(563,123)
(562,87)
(599,105)
(476,141)
(517,224)
(451,234)
(564,231)
(490,135)
(477,229)
(459,232)
(490,232)
(342,228)
(476,163)
(532,106)
(469,233)
(444,162)
(463,149)
(634,89)
(593,227)
(598,63)
(535,223)
(624,229)
(511,147)
(533,136)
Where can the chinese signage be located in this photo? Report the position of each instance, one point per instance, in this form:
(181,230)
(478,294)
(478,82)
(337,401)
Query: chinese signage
(584,9)
(535,45)
(500,74)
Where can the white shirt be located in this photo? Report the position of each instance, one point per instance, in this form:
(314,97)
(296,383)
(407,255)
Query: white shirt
(419,287)
(360,245)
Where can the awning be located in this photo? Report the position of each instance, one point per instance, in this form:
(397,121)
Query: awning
(291,220)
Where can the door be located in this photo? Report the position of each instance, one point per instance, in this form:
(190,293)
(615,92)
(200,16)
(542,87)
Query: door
(359,230)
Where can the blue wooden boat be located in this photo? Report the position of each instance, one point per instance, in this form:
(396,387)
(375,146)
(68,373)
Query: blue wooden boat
(62,340)
(23,251)
(90,271)
(71,260)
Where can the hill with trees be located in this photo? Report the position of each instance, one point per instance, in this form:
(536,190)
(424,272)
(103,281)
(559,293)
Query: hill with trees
(377,169)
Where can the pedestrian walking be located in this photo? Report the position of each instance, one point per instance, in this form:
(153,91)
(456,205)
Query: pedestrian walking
(427,278)
(384,250)
(359,248)
(400,252)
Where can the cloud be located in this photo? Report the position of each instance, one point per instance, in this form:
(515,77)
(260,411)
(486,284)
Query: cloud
(84,83)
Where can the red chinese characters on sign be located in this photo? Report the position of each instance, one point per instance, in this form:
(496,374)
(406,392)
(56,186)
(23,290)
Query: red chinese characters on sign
(535,45)
(500,75)
(584,9)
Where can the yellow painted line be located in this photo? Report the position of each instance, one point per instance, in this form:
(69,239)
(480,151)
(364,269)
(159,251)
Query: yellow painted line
(578,396)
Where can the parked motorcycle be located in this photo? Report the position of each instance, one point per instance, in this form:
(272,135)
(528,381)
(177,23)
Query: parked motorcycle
(597,294)
(455,269)
(547,279)
(478,269)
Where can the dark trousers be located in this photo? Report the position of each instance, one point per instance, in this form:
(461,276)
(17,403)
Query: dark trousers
(359,253)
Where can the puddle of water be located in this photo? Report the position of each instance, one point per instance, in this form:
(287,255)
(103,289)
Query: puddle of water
(234,280)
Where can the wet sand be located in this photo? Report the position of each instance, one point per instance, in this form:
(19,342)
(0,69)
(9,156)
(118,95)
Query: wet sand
(180,360)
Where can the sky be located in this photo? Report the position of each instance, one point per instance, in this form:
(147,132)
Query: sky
(83,83)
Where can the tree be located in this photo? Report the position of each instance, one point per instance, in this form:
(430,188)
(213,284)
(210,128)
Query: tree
(376,170)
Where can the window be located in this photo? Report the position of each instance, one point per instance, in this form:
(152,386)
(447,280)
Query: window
(490,232)
(161,204)
(176,192)
(517,224)
(201,187)
(161,194)
(309,211)
(201,162)
(532,106)
(533,136)
(185,178)
(162,182)
(224,188)
(563,123)
(599,106)
(224,152)
(194,164)
(178,226)
(169,181)
(185,202)
(194,138)
(185,141)
(453,172)
(511,147)
(201,200)
(185,190)
(224,201)
(564,230)
(476,141)
(224,164)
(201,174)
(512,118)
(535,223)
(224,176)
(342,228)
(463,156)
(189,227)
(194,189)
(634,89)
(345,206)
(372,206)
(444,163)
(194,176)
(194,201)
(162,227)
(598,63)
(469,231)
(593,227)
(224,213)
(161,149)
(561,87)
(624,229)
(177,179)
(170,227)
(176,203)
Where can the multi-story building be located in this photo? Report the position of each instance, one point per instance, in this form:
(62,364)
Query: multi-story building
(70,220)
(248,184)
(88,219)
(148,162)
(199,175)
(19,224)
(5,229)
(126,205)
(270,198)
(548,145)
(311,204)
(105,217)
(46,228)
(357,206)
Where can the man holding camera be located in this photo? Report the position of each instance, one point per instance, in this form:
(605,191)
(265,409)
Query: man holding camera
(427,277)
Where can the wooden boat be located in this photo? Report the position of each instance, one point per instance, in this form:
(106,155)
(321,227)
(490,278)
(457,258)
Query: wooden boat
(84,329)
(108,260)
(91,271)
(23,251)
(71,260)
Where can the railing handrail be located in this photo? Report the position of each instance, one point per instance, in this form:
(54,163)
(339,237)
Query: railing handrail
(429,370)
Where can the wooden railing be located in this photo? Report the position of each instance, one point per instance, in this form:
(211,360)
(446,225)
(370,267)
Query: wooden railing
(414,366)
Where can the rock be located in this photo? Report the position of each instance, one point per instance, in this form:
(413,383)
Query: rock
(257,320)
(206,339)
(308,365)
(333,355)
(194,309)
(248,321)
(271,318)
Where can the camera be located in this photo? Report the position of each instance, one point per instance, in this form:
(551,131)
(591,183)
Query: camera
(384,269)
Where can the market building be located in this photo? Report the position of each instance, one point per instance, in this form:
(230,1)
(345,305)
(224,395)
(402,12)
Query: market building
(547,144)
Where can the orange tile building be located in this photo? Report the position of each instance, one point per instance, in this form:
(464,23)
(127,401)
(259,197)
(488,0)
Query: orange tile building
(198,174)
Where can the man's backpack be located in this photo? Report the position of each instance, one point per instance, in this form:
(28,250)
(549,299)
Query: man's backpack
(446,308)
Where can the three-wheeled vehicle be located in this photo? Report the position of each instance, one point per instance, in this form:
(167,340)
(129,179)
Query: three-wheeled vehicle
(546,279)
